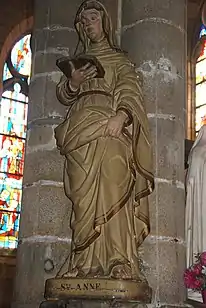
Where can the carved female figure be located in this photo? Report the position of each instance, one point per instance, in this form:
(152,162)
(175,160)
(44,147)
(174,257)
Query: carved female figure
(106,143)
(195,224)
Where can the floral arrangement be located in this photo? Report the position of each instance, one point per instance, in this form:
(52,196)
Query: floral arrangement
(195,275)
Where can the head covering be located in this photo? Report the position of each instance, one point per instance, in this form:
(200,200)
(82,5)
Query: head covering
(106,24)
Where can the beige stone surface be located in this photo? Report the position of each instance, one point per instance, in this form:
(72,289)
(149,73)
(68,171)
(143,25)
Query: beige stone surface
(43,101)
(46,42)
(163,263)
(48,13)
(168,148)
(162,44)
(167,210)
(39,136)
(172,11)
(31,274)
(45,211)
(44,165)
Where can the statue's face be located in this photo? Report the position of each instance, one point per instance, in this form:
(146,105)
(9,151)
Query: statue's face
(91,20)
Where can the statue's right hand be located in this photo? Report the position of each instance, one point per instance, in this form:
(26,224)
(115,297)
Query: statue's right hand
(82,74)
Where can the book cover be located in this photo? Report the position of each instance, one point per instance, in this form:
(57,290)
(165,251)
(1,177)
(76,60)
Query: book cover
(64,64)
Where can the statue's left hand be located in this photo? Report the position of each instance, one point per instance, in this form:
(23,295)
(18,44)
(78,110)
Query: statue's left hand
(115,124)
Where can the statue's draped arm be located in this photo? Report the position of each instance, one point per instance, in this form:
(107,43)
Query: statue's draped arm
(129,98)
(64,94)
(128,94)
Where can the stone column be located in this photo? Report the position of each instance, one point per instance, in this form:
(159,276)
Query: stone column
(45,234)
(154,34)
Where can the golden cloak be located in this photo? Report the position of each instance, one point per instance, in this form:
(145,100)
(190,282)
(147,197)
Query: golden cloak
(107,179)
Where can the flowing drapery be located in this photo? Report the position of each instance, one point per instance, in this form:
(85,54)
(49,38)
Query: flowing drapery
(108,179)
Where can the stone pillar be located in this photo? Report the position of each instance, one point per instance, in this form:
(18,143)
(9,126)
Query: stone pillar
(154,34)
(45,234)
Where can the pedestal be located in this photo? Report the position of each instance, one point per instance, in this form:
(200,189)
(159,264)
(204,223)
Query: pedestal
(96,292)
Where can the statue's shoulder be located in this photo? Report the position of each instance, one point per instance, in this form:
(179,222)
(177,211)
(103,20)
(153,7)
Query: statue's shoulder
(124,59)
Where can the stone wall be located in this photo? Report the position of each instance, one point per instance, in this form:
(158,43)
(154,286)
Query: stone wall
(13,14)
(154,33)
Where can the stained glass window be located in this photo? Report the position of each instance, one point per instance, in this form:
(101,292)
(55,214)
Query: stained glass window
(13,128)
(202,31)
(200,100)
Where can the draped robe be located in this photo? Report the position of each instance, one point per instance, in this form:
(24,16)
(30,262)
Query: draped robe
(107,179)
(195,226)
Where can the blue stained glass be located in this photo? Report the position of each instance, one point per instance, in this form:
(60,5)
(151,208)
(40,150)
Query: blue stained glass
(21,56)
(10,204)
(10,192)
(6,73)
(202,31)
(13,118)
(13,124)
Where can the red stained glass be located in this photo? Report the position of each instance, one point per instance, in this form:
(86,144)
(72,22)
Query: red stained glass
(10,204)
(203,53)
(11,155)
(9,227)
(13,126)
(10,192)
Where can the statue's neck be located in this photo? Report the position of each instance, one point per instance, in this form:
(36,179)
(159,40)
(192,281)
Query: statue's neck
(100,45)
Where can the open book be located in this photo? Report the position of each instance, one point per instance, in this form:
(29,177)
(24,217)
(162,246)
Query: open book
(64,64)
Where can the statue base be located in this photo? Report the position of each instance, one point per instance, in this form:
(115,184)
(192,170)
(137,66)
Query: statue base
(91,304)
(65,289)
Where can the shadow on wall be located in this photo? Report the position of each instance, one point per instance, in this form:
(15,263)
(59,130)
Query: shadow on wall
(7,276)
(188,146)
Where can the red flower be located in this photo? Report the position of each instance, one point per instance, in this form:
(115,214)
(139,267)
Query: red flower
(203,258)
(197,268)
(198,284)
(189,279)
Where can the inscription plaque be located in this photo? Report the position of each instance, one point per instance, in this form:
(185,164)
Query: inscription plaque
(61,288)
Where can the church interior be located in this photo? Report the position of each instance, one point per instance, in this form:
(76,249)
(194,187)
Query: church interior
(166,39)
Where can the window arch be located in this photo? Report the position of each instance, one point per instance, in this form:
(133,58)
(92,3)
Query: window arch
(13,128)
(200,82)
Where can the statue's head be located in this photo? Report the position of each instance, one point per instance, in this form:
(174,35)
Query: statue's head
(93,23)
